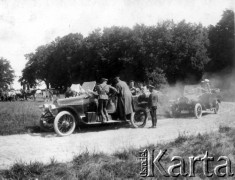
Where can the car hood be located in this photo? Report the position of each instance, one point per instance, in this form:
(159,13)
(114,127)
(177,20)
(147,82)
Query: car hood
(79,100)
(192,97)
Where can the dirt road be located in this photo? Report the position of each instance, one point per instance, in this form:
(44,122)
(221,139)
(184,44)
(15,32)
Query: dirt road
(42,147)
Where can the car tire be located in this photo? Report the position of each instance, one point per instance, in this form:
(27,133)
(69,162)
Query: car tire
(141,113)
(60,123)
(198,110)
(216,109)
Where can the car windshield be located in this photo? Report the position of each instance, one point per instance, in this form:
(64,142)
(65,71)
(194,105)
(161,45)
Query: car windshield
(192,90)
(89,85)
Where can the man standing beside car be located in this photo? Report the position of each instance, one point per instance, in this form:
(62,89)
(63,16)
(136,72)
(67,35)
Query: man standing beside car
(152,104)
(124,104)
(103,90)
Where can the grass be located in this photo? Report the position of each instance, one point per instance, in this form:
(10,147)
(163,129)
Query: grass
(126,165)
(19,117)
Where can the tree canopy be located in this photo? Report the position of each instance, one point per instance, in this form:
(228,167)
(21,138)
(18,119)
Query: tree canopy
(221,49)
(167,52)
(6,73)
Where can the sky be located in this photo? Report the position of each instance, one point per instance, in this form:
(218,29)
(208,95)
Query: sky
(27,24)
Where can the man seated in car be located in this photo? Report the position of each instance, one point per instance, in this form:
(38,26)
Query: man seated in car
(205,86)
(133,89)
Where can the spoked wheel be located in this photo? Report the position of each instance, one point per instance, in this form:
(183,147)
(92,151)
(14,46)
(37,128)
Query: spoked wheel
(198,111)
(139,118)
(216,108)
(64,123)
(46,122)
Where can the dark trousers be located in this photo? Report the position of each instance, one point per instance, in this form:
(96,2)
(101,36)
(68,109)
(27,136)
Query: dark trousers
(153,113)
(102,109)
(121,108)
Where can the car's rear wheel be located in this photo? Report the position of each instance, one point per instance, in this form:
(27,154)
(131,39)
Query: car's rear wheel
(198,111)
(139,118)
(216,108)
(64,123)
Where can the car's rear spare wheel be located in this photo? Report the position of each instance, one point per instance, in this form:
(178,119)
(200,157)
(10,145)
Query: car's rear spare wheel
(198,111)
(64,123)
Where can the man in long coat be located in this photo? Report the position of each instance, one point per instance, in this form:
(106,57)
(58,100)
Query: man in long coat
(124,104)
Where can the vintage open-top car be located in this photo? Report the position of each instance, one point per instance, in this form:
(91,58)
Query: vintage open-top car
(195,100)
(65,114)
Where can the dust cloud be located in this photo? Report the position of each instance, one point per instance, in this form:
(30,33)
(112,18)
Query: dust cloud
(225,81)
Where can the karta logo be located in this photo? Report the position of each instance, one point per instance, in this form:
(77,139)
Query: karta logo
(150,163)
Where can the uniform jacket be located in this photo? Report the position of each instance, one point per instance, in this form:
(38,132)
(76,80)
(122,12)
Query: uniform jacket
(153,99)
(103,90)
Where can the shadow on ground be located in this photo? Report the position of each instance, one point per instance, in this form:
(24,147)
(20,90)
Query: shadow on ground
(36,131)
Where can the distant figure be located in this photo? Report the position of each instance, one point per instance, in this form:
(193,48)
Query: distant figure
(47,95)
(152,104)
(132,87)
(124,104)
(142,88)
(205,85)
(206,89)
(70,93)
(44,94)
(207,81)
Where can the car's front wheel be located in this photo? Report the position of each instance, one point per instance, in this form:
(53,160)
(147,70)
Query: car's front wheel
(139,118)
(198,111)
(64,123)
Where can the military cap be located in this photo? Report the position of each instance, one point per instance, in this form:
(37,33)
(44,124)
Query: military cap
(103,79)
(151,86)
(117,78)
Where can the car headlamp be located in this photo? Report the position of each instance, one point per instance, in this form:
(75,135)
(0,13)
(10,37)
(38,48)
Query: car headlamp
(51,107)
(45,107)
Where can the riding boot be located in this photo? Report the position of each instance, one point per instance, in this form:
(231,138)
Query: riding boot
(107,117)
(101,119)
(103,116)
(153,122)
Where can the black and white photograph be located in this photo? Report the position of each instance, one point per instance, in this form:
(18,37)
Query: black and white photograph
(117,89)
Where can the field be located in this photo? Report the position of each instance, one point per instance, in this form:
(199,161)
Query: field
(19,117)
(185,136)
(126,164)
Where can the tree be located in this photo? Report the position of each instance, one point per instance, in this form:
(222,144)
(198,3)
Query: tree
(221,49)
(185,53)
(6,73)
(156,77)
(179,50)
(176,52)
(51,62)
(62,63)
